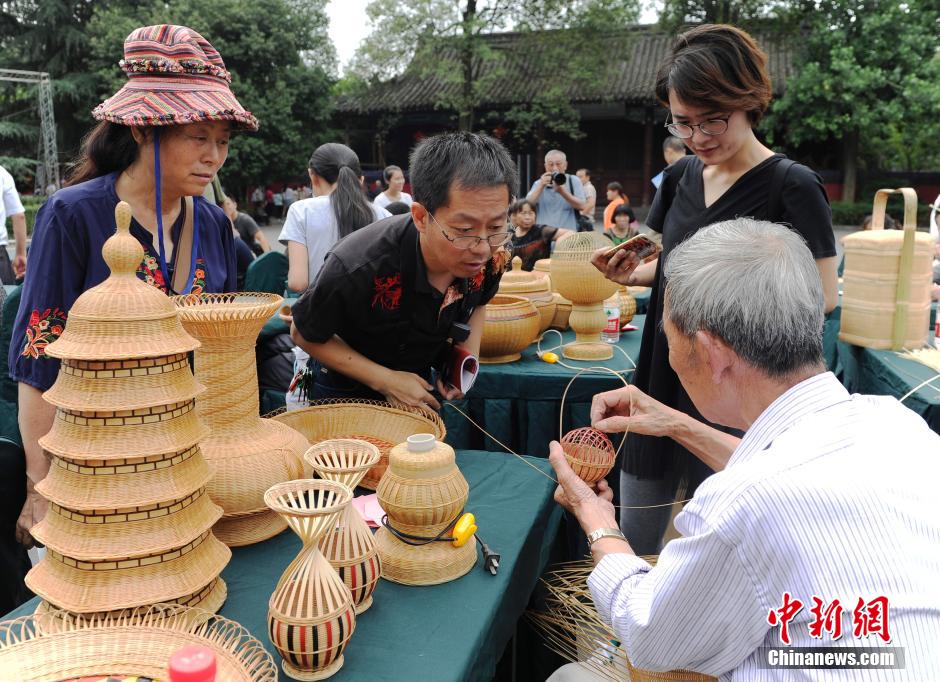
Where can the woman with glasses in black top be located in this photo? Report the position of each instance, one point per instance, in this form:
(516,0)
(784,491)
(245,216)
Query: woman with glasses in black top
(716,87)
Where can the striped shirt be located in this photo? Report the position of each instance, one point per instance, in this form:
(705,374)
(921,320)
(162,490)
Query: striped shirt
(829,495)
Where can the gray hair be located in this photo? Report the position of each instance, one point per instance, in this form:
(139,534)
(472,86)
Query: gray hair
(556,152)
(755,285)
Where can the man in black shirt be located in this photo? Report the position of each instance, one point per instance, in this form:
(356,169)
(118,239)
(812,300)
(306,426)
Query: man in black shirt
(394,296)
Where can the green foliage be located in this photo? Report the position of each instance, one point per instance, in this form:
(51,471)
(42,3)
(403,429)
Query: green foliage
(678,13)
(853,213)
(871,67)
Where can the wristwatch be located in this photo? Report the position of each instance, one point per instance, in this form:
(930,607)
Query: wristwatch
(604,533)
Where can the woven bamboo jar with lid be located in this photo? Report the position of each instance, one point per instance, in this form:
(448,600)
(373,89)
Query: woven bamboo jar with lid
(250,454)
(423,492)
(887,278)
(510,324)
(532,286)
(577,280)
(129,520)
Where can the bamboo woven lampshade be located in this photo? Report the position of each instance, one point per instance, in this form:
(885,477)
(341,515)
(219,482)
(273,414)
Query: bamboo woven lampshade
(373,421)
(54,645)
(530,285)
(577,280)
(422,492)
(310,614)
(250,454)
(129,521)
(349,546)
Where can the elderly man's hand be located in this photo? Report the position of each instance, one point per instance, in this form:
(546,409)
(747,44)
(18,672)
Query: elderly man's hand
(617,268)
(630,409)
(590,505)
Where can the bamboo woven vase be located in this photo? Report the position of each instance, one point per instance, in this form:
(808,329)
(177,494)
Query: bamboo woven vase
(129,522)
(422,492)
(349,546)
(250,454)
(576,279)
(310,614)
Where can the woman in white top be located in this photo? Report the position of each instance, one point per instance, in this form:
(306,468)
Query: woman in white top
(338,208)
(394,179)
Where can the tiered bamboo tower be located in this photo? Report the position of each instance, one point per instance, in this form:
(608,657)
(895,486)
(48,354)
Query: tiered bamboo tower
(250,454)
(129,521)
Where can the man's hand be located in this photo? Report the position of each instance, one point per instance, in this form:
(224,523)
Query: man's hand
(19,265)
(546,180)
(448,392)
(34,509)
(409,389)
(617,268)
(592,507)
(629,409)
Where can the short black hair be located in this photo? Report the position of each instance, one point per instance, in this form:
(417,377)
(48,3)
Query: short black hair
(465,159)
(624,209)
(398,208)
(674,143)
(520,204)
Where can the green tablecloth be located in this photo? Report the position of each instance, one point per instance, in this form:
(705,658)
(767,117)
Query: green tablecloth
(884,372)
(455,631)
(519,402)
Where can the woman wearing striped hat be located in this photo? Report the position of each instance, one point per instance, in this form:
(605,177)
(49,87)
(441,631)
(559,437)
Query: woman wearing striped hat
(160,141)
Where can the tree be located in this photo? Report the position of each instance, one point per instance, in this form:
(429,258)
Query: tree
(868,70)
(450,43)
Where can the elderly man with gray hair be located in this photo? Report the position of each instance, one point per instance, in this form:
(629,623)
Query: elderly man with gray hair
(559,197)
(821,527)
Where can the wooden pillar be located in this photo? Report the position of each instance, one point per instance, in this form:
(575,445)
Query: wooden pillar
(647,157)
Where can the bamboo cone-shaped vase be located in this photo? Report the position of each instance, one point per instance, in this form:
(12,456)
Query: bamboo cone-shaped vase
(250,454)
(311,615)
(349,546)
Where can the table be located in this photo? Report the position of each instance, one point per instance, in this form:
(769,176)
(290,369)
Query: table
(885,372)
(454,631)
(519,402)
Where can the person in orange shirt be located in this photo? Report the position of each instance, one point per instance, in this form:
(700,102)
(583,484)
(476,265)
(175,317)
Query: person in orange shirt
(616,197)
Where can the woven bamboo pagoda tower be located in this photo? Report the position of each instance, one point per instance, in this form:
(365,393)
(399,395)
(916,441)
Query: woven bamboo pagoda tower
(129,521)
(249,454)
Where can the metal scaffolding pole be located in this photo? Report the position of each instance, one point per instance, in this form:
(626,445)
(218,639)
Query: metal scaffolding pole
(47,162)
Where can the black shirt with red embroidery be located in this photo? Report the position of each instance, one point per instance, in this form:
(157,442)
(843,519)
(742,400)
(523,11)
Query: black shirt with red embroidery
(373,292)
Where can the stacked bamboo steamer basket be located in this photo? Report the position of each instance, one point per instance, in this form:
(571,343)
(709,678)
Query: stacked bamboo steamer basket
(887,278)
(129,521)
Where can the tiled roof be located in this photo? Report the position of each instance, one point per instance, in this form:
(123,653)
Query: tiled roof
(632,57)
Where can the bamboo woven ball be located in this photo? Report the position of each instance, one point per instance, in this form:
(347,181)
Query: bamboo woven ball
(590,453)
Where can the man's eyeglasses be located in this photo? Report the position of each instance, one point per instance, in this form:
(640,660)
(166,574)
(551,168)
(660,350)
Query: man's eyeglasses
(464,243)
(712,127)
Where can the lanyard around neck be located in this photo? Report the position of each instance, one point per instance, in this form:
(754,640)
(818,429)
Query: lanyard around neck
(159,212)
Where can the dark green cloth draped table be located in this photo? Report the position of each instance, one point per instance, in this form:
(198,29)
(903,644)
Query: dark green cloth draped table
(519,402)
(884,372)
(454,631)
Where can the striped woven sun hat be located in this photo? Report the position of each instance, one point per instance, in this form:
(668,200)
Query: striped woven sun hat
(175,77)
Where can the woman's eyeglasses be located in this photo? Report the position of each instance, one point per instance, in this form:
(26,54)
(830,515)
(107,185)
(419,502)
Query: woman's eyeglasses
(712,127)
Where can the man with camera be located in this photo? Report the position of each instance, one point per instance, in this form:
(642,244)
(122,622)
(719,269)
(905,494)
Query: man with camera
(558,195)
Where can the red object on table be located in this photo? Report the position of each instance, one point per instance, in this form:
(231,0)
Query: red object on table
(193,664)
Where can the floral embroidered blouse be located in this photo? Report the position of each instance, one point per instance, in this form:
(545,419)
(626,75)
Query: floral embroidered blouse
(65,260)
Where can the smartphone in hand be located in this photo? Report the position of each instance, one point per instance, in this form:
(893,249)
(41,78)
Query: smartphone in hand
(641,245)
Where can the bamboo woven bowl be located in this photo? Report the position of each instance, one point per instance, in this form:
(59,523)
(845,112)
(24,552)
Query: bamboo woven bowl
(373,421)
(590,453)
(511,324)
(55,646)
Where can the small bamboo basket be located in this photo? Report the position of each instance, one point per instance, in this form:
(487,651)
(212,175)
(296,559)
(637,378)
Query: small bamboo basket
(55,645)
(590,453)
(510,325)
(373,421)
(311,615)
(349,546)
